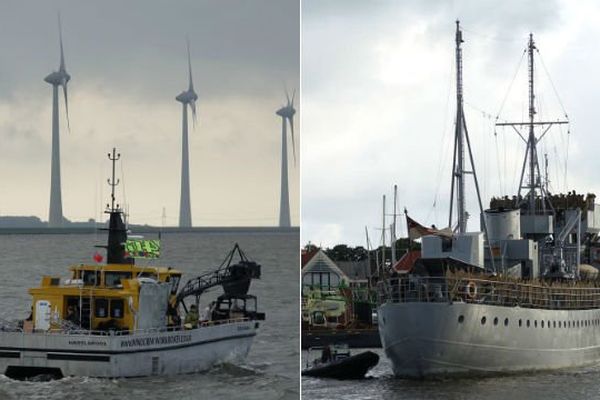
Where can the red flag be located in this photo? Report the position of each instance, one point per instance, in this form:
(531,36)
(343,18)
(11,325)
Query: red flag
(98,257)
(416,230)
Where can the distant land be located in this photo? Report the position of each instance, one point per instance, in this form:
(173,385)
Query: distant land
(34,225)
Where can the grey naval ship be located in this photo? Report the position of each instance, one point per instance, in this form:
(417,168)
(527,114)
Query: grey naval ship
(519,295)
(120,319)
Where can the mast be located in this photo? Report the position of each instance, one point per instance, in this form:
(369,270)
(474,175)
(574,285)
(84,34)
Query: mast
(531,140)
(458,167)
(113,183)
(546,177)
(461,137)
(530,162)
(393,228)
(383,229)
(117,231)
(368,255)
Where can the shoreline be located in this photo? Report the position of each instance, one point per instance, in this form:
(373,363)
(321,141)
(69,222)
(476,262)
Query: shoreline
(152,229)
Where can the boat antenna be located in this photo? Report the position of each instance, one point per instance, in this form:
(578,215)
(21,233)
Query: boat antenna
(461,137)
(117,230)
(113,183)
(530,161)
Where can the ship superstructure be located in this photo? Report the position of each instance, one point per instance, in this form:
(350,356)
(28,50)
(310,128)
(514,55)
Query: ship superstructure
(514,296)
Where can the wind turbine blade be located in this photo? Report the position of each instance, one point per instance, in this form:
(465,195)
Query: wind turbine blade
(293,96)
(291,119)
(62,54)
(191,83)
(66,105)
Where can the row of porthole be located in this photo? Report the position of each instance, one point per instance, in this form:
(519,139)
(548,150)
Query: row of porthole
(549,324)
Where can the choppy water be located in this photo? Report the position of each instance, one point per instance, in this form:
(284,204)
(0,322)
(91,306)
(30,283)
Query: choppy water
(581,383)
(269,372)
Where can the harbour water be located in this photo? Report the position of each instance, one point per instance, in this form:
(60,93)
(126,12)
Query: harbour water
(580,383)
(269,372)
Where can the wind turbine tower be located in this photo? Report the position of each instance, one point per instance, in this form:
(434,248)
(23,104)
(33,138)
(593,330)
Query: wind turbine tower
(56,79)
(287,116)
(187,97)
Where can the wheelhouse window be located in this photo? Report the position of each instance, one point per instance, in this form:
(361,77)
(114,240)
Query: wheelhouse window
(113,278)
(90,278)
(101,308)
(116,308)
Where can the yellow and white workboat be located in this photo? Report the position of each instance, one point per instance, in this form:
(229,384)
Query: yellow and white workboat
(123,320)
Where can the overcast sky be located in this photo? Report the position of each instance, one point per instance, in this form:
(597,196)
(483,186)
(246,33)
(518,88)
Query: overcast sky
(127,62)
(378,105)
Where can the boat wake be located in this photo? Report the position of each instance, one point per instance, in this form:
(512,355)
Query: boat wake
(235,370)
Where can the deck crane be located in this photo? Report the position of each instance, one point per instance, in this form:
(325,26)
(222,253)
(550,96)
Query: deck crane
(235,278)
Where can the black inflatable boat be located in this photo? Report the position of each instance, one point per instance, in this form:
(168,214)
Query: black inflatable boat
(341,365)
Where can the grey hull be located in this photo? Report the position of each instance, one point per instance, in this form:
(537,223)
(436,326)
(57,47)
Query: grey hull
(423,339)
(150,353)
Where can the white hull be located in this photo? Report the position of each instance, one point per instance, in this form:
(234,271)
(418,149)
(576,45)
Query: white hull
(152,353)
(423,339)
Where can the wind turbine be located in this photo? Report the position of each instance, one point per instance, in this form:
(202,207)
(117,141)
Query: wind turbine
(56,79)
(287,116)
(187,97)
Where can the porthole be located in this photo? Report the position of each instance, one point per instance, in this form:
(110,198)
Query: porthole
(495,320)
(505,321)
(483,319)
(554,324)
(542,323)
(520,322)
(535,323)
(559,324)
(528,323)
(461,318)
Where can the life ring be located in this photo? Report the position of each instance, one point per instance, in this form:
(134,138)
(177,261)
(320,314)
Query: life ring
(471,290)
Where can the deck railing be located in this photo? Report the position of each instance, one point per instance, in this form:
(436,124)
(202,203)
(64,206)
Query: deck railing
(558,296)
(13,327)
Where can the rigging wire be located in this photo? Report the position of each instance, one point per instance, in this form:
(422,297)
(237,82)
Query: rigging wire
(511,84)
(443,146)
(567,157)
(552,83)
